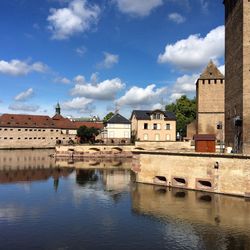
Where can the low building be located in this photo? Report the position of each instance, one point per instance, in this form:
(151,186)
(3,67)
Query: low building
(37,131)
(156,125)
(117,130)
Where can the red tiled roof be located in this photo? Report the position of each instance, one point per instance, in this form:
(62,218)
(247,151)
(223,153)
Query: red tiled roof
(40,121)
(62,122)
(98,125)
(30,121)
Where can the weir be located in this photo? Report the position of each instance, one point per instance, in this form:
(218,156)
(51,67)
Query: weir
(217,173)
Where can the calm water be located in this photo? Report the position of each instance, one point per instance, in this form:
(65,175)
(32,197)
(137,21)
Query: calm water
(53,205)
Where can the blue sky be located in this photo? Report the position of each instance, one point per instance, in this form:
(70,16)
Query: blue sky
(95,56)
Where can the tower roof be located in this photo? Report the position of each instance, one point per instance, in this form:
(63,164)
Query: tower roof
(211,72)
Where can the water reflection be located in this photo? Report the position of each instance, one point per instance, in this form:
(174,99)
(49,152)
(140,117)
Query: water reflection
(97,205)
(210,220)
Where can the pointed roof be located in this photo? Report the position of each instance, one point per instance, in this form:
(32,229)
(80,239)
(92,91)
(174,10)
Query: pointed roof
(211,72)
(118,119)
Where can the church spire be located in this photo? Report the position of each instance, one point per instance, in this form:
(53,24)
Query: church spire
(58,109)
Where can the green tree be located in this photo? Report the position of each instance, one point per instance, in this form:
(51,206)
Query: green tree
(108,116)
(87,134)
(185,111)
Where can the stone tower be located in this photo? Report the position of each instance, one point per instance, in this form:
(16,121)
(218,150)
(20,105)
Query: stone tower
(210,102)
(237,76)
(58,109)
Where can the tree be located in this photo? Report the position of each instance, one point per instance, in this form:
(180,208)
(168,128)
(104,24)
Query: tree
(185,111)
(108,116)
(87,134)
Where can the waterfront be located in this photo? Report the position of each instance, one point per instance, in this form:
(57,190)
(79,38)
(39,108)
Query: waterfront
(46,206)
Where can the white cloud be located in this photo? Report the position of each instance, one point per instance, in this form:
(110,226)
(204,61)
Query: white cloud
(63,80)
(78,17)
(105,90)
(222,69)
(140,97)
(17,68)
(137,7)
(195,52)
(23,96)
(204,5)
(176,17)
(109,60)
(94,77)
(80,104)
(81,50)
(23,107)
(79,79)
(184,85)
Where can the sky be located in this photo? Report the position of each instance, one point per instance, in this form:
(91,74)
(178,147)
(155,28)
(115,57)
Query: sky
(97,56)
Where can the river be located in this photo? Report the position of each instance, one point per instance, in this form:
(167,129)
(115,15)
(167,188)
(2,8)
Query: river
(46,204)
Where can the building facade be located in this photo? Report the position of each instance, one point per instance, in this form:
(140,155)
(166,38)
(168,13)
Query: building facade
(117,130)
(237,75)
(37,131)
(154,125)
(210,88)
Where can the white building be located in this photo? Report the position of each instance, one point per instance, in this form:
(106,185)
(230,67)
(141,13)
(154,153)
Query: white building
(117,130)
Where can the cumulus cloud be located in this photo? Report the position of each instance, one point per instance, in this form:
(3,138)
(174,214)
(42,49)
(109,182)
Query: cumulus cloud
(18,106)
(105,90)
(78,17)
(184,85)
(222,69)
(109,60)
(137,97)
(63,80)
(25,95)
(137,7)
(195,52)
(176,17)
(80,104)
(17,68)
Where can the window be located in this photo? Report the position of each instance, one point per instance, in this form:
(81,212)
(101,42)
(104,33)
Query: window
(168,137)
(168,126)
(157,137)
(51,130)
(26,129)
(30,129)
(43,130)
(158,116)
(19,129)
(154,116)
(158,126)
(145,125)
(145,137)
(155,126)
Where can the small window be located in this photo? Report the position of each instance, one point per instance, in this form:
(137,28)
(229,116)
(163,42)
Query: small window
(158,116)
(19,129)
(19,138)
(11,138)
(155,126)
(5,129)
(30,129)
(168,127)
(39,129)
(43,130)
(11,129)
(51,130)
(145,125)
(26,129)
(43,138)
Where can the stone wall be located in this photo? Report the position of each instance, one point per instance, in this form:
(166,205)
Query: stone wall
(234,71)
(228,174)
(34,137)
(170,146)
(210,103)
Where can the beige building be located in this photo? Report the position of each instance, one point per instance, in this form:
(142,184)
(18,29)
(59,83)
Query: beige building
(210,95)
(237,90)
(117,130)
(156,125)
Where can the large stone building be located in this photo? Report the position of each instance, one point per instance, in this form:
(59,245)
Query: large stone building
(210,96)
(156,125)
(37,131)
(237,76)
